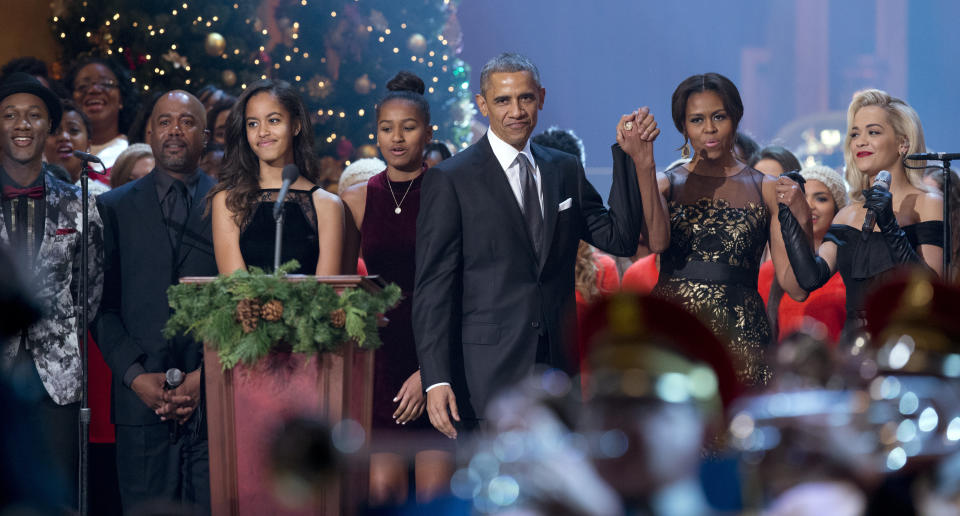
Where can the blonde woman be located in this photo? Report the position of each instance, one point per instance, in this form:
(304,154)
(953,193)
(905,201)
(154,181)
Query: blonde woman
(881,131)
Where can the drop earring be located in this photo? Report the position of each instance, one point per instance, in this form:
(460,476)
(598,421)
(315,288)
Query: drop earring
(685,151)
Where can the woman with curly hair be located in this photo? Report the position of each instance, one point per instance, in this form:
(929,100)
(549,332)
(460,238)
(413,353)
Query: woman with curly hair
(267,129)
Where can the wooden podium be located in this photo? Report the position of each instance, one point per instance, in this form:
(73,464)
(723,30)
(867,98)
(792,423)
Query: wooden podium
(246,406)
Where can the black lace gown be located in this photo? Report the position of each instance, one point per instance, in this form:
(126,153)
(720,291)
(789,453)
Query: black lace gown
(719,227)
(300,235)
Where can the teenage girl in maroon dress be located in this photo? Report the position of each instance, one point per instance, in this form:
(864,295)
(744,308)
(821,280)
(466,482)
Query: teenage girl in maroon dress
(385,211)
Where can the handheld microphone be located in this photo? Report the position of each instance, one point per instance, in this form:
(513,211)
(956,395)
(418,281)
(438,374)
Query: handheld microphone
(86,156)
(290,175)
(174,378)
(935,156)
(882,181)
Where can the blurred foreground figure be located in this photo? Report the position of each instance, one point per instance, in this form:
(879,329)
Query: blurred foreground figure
(655,395)
(873,429)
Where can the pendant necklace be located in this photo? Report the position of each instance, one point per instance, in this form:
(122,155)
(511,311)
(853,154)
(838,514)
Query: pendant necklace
(397,210)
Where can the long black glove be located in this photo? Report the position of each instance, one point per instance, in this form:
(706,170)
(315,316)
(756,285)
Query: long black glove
(811,270)
(880,202)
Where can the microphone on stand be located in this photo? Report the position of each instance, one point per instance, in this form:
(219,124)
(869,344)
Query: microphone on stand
(290,175)
(174,378)
(935,156)
(882,181)
(89,158)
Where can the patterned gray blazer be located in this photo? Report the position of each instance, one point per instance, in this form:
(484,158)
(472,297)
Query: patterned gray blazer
(53,341)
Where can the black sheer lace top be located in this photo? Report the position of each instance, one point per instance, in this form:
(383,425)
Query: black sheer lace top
(300,235)
(716,220)
(863,262)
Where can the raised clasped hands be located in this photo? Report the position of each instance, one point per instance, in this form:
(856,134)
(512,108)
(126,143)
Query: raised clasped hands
(636,133)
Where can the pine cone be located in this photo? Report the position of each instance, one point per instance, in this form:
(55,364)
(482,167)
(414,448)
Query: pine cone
(248,325)
(247,314)
(338,318)
(272,310)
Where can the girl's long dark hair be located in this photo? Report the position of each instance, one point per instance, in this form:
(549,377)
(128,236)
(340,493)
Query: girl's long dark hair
(240,171)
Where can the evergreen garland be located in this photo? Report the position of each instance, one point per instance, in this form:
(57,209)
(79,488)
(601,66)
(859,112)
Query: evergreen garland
(209,312)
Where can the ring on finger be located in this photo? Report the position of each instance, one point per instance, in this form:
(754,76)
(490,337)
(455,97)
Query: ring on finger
(628,125)
(781,196)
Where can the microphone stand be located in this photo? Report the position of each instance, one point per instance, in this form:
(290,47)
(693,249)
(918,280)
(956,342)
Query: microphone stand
(84,427)
(278,216)
(947,241)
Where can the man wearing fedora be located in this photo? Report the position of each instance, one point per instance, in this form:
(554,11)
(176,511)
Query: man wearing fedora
(41,222)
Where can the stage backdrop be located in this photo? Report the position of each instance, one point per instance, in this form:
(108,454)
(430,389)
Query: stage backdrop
(796,63)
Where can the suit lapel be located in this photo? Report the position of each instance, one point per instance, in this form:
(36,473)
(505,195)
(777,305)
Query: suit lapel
(550,185)
(151,219)
(496,178)
(193,233)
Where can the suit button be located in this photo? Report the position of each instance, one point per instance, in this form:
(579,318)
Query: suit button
(535,324)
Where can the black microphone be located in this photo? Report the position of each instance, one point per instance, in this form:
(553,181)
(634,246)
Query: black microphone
(290,175)
(935,156)
(882,181)
(174,378)
(86,156)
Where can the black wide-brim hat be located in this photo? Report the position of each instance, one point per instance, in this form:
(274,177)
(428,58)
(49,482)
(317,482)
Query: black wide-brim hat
(20,82)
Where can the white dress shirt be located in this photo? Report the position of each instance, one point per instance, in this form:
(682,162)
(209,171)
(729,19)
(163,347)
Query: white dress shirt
(506,155)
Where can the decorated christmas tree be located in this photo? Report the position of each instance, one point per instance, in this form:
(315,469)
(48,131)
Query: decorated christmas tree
(341,54)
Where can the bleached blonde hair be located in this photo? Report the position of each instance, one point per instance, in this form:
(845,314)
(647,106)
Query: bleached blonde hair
(906,125)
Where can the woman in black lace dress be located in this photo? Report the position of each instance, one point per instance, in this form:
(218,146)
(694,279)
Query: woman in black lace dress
(721,215)
(267,129)
(881,131)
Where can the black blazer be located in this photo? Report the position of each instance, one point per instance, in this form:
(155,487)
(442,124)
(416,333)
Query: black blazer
(139,266)
(482,300)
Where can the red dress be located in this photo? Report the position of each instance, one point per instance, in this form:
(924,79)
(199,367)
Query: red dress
(608,282)
(641,276)
(827,305)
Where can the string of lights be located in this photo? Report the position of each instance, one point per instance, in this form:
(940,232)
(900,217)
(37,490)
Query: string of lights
(340,54)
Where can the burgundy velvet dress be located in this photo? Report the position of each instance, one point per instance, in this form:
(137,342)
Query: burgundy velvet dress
(388,245)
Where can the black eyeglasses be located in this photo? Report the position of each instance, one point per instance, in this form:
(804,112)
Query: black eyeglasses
(104,85)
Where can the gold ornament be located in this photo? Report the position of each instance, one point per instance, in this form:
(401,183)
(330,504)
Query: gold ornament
(685,151)
(215,44)
(272,310)
(229,78)
(417,43)
(338,318)
(367,151)
(363,84)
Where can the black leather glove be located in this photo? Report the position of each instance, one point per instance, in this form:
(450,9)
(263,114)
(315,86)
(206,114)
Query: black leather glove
(811,270)
(880,202)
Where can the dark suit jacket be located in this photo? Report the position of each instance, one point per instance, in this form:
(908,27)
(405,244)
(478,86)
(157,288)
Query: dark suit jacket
(138,268)
(482,300)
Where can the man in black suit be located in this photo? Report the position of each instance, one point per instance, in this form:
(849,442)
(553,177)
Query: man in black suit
(156,232)
(497,238)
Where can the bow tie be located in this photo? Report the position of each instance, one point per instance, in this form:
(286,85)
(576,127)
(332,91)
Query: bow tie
(12,192)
